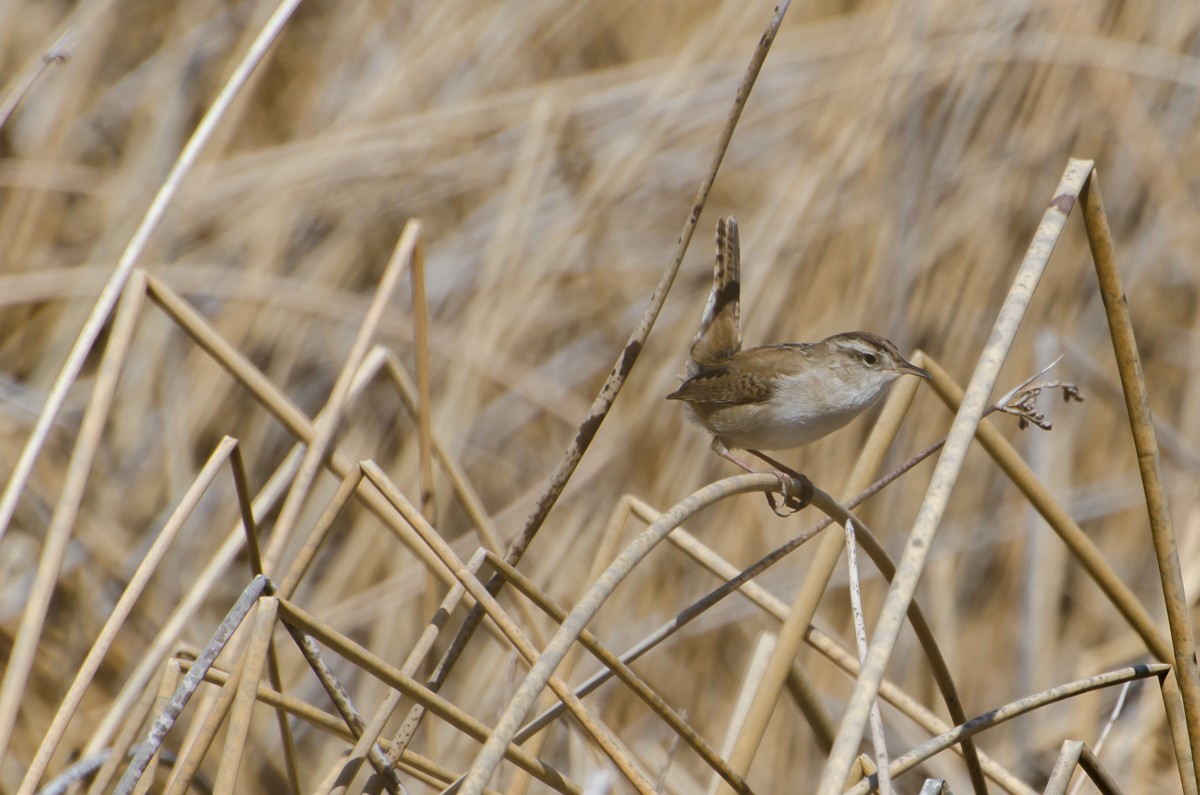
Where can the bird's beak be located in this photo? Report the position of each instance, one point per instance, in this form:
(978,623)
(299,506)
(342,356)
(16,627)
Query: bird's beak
(912,369)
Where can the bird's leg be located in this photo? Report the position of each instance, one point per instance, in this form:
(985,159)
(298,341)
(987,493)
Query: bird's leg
(786,478)
(720,449)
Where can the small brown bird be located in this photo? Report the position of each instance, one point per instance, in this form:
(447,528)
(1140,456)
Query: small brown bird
(776,397)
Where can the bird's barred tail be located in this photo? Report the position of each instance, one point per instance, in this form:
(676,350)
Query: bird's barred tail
(720,334)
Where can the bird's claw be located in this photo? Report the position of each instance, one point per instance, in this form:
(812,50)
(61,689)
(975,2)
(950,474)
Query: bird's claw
(796,491)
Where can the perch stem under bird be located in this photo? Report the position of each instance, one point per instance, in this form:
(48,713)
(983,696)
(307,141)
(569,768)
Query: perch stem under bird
(776,397)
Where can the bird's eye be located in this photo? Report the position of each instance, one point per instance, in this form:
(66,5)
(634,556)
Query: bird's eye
(870,359)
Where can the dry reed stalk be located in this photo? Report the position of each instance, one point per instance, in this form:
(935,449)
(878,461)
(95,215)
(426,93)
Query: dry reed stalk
(599,733)
(1012,710)
(622,671)
(950,463)
(1137,402)
(842,658)
(17,671)
(1074,754)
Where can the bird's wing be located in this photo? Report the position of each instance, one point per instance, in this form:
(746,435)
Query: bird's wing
(725,384)
(746,377)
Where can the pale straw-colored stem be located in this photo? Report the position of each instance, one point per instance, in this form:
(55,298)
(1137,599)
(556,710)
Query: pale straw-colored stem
(1145,440)
(937,496)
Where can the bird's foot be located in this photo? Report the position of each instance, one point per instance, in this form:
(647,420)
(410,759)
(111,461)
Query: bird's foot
(795,489)
(796,492)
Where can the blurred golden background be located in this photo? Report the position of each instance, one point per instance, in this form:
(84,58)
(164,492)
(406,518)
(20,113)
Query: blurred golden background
(888,173)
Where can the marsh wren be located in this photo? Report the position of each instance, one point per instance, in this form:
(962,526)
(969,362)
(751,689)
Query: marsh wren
(776,397)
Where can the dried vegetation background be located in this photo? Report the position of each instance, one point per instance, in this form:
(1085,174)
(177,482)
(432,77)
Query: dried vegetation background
(889,171)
